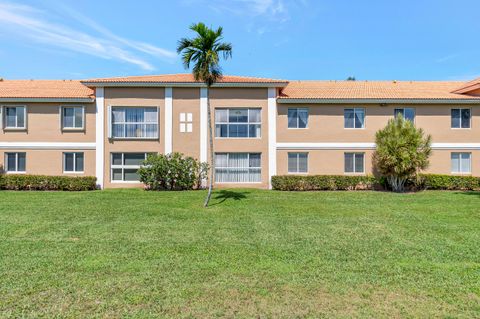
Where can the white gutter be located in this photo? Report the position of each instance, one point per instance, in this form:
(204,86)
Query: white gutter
(377,101)
(182,84)
(46,100)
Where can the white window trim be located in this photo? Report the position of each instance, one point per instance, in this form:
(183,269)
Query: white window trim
(460,164)
(469,120)
(234,123)
(4,118)
(62,118)
(123,167)
(110,124)
(308,118)
(16,163)
(364,118)
(186,122)
(228,154)
(74,163)
(354,173)
(403,108)
(298,160)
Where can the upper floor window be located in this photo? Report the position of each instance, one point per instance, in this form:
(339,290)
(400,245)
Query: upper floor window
(72,117)
(73,162)
(461,163)
(460,118)
(297,162)
(15,162)
(134,122)
(297,117)
(407,113)
(354,118)
(354,162)
(238,122)
(15,117)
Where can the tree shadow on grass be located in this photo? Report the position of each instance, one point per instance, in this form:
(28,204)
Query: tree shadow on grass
(469,193)
(223,195)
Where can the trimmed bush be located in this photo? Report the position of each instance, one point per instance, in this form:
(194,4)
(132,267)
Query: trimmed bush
(447,182)
(23,182)
(323,182)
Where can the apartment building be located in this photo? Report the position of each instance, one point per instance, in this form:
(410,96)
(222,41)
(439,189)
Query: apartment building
(262,127)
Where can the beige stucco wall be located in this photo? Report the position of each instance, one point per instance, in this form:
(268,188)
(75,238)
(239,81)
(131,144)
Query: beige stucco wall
(331,162)
(132,97)
(186,100)
(326,123)
(43,125)
(50,162)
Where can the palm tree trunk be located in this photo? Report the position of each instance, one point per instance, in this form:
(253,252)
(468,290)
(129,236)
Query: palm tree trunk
(212,160)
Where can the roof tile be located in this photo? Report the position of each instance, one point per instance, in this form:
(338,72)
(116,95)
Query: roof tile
(55,89)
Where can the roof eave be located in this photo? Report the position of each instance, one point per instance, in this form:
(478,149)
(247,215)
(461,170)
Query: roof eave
(377,101)
(184,84)
(45,100)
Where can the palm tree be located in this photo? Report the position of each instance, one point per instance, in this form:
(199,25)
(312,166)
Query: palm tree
(204,52)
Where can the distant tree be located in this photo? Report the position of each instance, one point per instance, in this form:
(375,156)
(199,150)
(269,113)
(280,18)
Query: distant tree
(402,150)
(351,78)
(204,52)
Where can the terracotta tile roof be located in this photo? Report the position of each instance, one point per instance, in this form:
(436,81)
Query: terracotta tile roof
(468,87)
(372,90)
(44,89)
(180,78)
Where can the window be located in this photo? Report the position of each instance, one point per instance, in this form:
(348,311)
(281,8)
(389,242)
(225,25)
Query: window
(15,162)
(297,117)
(234,123)
(124,166)
(134,122)
(15,117)
(354,118)
(407,113)
(72,117)
(238,168)
(461,163)
(186,125)
(73,162)
(297,162)
(354,162)
(460,118)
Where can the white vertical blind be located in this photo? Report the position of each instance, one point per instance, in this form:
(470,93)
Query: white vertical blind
(238,168)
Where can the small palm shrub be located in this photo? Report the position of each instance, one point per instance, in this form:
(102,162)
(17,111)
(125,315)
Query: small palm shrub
(172,172)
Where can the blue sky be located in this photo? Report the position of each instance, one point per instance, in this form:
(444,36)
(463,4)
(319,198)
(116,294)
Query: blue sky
(296,39)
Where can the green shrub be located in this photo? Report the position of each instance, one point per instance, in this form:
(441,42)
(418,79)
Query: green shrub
(323,182)
(47,183)
(172,172)
(446,182)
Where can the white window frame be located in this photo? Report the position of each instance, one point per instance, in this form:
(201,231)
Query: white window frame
(403,109)
(186,122)
(74,163)
(460,163)
(233,168)
(16,171)
(236,123)
(354,173)
(354,111)
(298,118)
(123,167)
(297,156)
(62,118)
(4,118)
(469,119)
(110,116)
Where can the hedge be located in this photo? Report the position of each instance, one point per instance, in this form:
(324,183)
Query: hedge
(47,183)
(447,182)
(323,182)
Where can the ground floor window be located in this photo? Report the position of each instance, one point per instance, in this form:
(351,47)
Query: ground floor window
(238,168)
(297,162)
(73,162)
(15,162)
(461,163)
(124,166)
(354,162)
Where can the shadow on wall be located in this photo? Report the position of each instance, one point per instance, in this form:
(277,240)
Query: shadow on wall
(223,195)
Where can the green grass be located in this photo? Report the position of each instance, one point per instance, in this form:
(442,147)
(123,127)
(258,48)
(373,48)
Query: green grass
(131,253)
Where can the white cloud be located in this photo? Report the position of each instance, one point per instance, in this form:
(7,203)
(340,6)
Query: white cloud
(32,23)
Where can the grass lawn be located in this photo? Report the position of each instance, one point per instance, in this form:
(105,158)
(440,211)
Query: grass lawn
(131,253)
